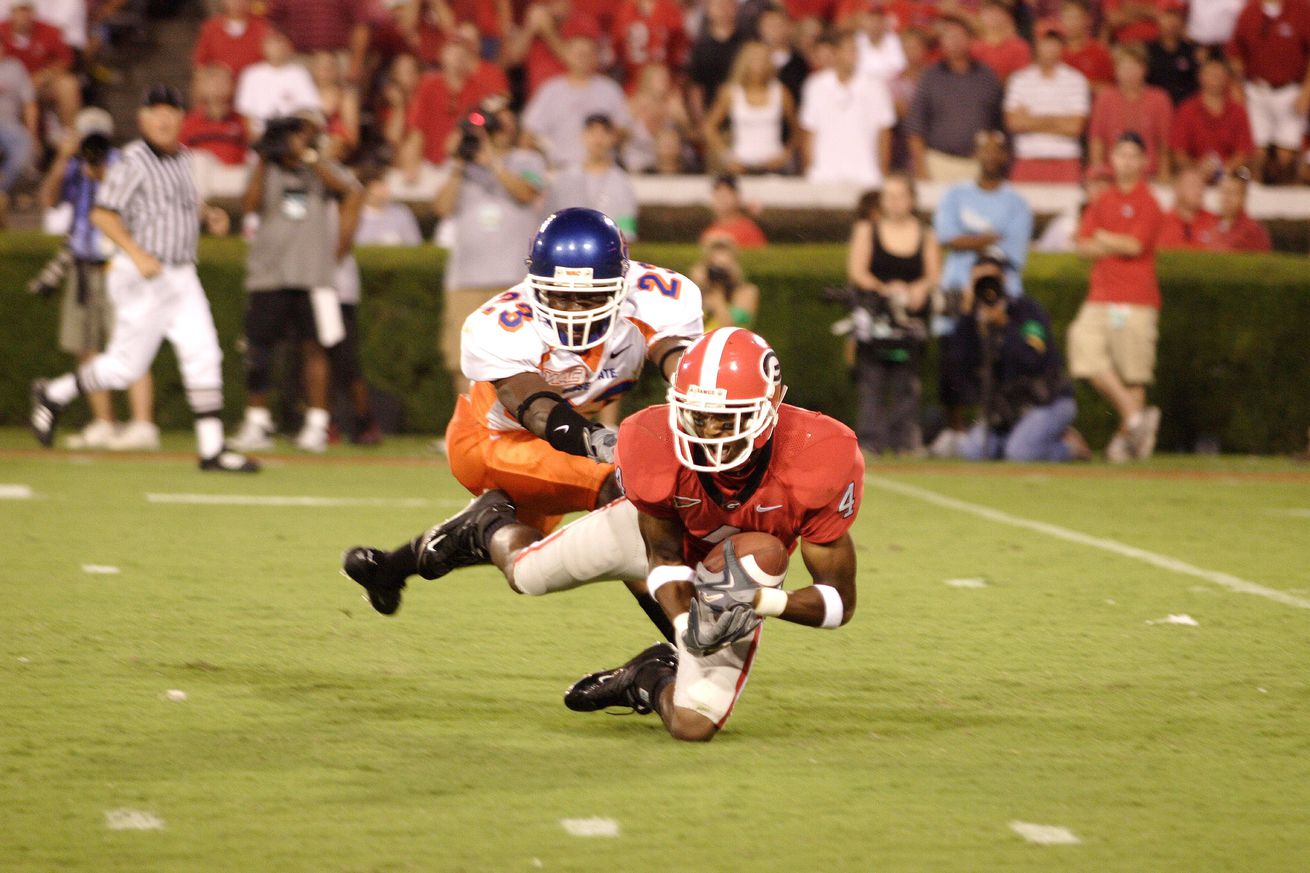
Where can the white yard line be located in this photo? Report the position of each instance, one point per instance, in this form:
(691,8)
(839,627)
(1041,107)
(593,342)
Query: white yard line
(590,827)
(1164,562)
(296,500)
(100,569)
(1045,835)
(11,491)
(132,820)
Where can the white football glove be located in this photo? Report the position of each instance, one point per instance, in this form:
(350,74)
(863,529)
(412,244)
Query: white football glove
(601,443)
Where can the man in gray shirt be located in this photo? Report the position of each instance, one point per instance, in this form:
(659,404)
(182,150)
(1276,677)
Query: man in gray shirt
(956,98)
(492,197)
(292,259)
(598,183)
(18,119)
(556,113)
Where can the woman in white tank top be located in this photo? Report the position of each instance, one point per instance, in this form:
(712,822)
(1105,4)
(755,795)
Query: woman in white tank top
(761,115)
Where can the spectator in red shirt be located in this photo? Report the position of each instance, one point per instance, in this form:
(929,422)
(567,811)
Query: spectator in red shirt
(212,125)
(1210,130)
(1131,106)
(1112,339)
(442,99)
(40,47)
(1236,231)
(730,220)
(1270,49)
(999,45)
(492,18)
(648,32)
(234,39)
(539,43)
(1082,50)
(1189,224)
(337,26)
(1132,20)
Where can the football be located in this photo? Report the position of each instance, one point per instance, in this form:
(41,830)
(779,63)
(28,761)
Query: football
(762,556)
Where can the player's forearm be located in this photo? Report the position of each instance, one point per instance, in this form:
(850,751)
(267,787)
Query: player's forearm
(666,354)
(816,606)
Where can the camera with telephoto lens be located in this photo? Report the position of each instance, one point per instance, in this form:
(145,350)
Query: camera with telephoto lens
(470,143)
(275,145)
(989,290)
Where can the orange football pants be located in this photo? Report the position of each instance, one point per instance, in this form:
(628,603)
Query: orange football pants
(545,484)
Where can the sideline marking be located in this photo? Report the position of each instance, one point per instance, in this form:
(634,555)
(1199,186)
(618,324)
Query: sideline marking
(15,492)
(590,827)
(1164,562)
(1045,835)
(294,500)
(132,820)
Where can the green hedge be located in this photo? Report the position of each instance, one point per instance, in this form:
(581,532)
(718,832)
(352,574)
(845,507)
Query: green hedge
(1234,340)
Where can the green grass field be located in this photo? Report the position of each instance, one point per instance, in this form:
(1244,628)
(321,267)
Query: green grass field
(318,736)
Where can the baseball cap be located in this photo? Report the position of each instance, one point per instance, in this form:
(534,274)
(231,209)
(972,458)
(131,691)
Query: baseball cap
(1133,137)
(93,119)
(163,95)
(598,118)
(580,25)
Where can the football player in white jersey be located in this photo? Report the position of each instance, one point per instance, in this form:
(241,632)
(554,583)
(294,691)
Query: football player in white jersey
(542,357)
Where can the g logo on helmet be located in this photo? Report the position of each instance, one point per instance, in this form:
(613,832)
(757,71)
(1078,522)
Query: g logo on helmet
(771,368)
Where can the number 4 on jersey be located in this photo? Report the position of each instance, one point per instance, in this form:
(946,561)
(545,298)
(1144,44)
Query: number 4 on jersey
(846,508)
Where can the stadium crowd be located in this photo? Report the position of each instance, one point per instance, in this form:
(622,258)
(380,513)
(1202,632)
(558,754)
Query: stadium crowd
(513,108)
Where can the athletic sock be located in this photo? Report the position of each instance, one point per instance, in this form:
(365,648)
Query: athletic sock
(316,419)
(651,680)
(402,562)
(209,435)
(63,390)
(261,417)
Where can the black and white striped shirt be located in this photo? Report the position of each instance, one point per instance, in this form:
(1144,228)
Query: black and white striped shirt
(156,196)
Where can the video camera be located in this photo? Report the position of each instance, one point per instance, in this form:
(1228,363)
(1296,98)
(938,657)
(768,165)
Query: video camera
(989,289)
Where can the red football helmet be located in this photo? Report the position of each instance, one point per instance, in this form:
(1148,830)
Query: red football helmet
(724,398)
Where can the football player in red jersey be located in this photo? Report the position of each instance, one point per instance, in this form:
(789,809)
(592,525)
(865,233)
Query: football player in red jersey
(724,456)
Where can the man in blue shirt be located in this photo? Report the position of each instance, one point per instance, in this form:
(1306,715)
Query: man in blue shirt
(86,315)
(972,218)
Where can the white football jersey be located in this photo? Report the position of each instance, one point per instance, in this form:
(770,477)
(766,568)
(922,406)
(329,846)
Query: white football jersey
(499,341)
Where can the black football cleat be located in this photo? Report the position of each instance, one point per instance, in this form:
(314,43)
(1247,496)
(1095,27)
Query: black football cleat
(45,414)
(364,565)
(620,686)
(461,540)
(228,461)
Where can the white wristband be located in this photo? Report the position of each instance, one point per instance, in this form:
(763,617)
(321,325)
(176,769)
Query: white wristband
(680,622)
(832,606)
(771,602)
(666,573)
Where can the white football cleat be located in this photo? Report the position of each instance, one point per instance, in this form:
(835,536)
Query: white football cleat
(136,436)
(312,439)
(252,437)
(96,435)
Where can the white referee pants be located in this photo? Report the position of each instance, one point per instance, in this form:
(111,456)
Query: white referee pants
(170,306)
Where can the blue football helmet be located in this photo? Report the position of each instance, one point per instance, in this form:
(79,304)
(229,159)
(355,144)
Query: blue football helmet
(580,254)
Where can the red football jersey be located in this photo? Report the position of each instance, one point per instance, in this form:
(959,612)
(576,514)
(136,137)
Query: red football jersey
(810,488)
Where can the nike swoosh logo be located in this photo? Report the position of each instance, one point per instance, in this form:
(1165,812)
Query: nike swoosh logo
(561,427)
(683,502)
(616,353)
(768,508)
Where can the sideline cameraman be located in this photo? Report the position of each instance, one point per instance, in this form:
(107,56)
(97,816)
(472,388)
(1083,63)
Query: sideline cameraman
(1026,399)
(491,196)
(728,299)
(290,272)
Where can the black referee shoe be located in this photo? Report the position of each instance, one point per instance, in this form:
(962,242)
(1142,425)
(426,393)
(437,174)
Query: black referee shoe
(45,414)
(228,461)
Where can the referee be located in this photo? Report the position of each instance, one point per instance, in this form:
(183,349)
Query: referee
(148,207)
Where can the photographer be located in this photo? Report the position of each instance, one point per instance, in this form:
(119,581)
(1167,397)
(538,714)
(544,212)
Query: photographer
(727,298)
(491,197)
(1026,400)
(86,315)
(290,271)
